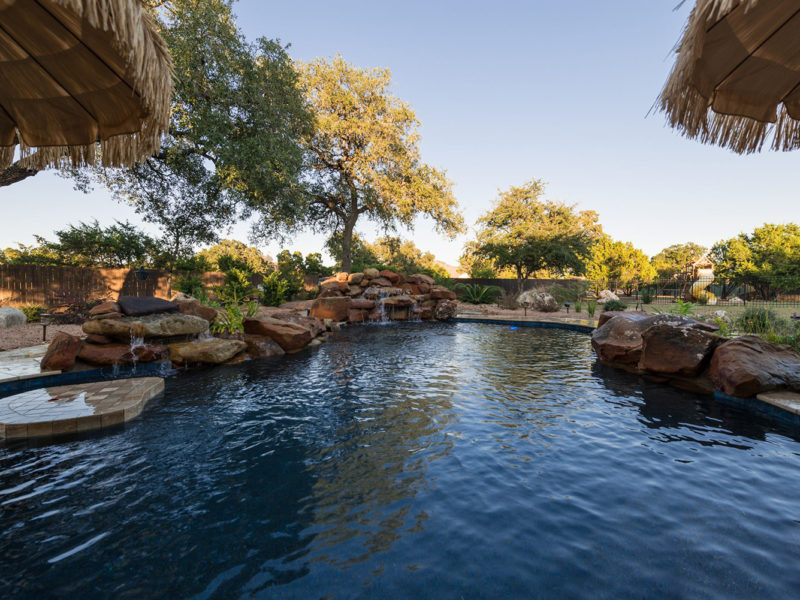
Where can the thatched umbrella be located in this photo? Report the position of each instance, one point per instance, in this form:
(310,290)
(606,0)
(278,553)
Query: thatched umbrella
(77,72)
(736,81)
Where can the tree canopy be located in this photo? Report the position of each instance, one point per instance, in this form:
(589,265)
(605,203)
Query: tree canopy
(362,159)
(621,262)
(671,260)
(237,115)
(387,252)
(530,235)
(90,245)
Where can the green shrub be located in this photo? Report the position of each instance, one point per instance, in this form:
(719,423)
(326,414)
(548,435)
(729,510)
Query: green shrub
(761,321)
(578,306)
(682,308)
(230,319)
(615,305)
(190,284)
(237,287)
(33,312)
(569,292)
(591,307)
(275,289)
(647,297)
(478,294)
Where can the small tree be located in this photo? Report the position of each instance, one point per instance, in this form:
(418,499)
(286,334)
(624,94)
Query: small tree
(620,262)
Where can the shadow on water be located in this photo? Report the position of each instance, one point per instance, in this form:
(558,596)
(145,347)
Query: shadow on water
(663,407)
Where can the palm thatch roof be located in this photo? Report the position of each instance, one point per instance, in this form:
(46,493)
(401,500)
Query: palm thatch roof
(77,72)
(736,80)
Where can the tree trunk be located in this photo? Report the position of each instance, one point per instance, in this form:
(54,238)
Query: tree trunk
(15,173)
(347,242)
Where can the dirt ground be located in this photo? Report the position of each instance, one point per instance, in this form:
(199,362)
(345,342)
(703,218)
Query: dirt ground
(494,310)
(30,334)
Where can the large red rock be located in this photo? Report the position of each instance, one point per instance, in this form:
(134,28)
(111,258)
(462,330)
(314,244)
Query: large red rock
(105,307)
(393,277)
(371,273)
(210,351)
(357,315)
(381,282)
(314,325)
(120,354)
(445,309)
(681,351)
(619,340)
(196,308)
(289,336)
(355,278)
(362,304)
(605,317)
(98,339)
(61,353)
(372,293)
(331,308)
(334,285)
(398,301)
(749,365)
(419,278)
(439,292)
(261,346)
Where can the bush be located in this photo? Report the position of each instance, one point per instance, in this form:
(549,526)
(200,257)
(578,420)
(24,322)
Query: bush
(591,306)
(615,305)
(237,287)
(761,321)
(190,284)
(578,306)
(275,290)
(647,297)
(33,312)
(478,294)
(230,319)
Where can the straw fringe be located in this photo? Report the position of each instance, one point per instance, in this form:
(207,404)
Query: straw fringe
(690,112)
(149,62)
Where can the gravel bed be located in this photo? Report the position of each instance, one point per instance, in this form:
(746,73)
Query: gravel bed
(30,334)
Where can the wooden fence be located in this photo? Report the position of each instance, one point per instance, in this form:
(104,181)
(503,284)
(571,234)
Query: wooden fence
(58,286)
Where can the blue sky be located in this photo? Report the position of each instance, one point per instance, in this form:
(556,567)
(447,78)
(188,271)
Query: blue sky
(507,91)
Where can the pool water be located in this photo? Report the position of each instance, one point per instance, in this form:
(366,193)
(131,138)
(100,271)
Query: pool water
(410,461)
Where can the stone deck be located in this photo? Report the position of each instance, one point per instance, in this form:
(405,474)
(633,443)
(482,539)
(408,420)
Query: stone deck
(22,363)
(75,408)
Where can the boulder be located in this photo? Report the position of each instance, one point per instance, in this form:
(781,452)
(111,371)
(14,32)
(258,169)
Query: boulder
(343,277)
(357,315)
(364,283)
(192,306)
(381,282)
(104,308)
(749,365)
(261,346)
(373,293)
(331,308)
(424,288)
(121,354)
(149,326)
(329,284)
(138,306)
(99,339)
(606,295)
(108,315)
(371,273)
(393,277)
(445,309)
(314,325)
(398,301)
(538,301)
(619,340)
(10,317)
(362,304)
(605,317)
(354,290)
(239,358)
(61,353)
(289,336)
(439,292)
(675,350)
(355,278)
(212,351)
(419,278)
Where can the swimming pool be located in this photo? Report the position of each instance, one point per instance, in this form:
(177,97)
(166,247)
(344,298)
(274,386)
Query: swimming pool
(410,460)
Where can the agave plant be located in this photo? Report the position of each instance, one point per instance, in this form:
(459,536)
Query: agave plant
(478,294)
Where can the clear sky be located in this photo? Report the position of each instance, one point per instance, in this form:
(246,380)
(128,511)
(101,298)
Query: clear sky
(507,91)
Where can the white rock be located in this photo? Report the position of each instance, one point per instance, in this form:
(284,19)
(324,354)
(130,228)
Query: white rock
(9,317)
(605,296)
(540,301)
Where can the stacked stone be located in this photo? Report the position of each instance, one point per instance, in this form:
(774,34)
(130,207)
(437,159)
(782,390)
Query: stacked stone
(377,295)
